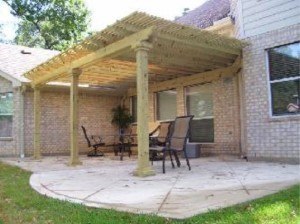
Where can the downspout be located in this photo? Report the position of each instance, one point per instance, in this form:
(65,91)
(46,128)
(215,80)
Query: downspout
(241,89)
(21,121)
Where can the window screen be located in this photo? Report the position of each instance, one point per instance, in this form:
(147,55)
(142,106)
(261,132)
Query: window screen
(166,105)
(199,102)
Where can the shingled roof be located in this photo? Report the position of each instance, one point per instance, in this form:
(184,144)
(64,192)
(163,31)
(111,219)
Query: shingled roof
(205,15)
(15,60)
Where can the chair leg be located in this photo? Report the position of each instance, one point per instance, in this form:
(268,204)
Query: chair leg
(177,159)
(116,149)
(151,157)
(170,153)
(98,151)
(95,152)
(129,151)
(122,151)
(187,159)
(164,159)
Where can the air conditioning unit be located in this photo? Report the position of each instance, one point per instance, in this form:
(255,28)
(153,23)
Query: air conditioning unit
(193,150)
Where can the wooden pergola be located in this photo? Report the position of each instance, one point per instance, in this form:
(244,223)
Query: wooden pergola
(135,51)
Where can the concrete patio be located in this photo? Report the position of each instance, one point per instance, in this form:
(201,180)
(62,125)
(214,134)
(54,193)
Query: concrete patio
(108,183)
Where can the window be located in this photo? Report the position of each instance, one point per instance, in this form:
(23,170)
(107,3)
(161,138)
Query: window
(199,102)
(134,108)
(6,113)
(166,105)
(284,76)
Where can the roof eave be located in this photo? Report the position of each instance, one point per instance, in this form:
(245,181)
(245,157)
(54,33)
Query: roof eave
(15,82)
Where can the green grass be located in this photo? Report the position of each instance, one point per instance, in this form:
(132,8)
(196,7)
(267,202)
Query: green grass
(20,204)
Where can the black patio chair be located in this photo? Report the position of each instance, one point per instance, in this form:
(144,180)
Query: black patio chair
(165,130)
(95,142)
(176,142)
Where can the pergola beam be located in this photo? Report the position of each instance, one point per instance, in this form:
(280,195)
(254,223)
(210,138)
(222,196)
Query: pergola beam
(111,50)
(171,46)
(197,44)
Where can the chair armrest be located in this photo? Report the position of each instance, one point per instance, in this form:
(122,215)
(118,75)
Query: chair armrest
(154,131)
(96,138)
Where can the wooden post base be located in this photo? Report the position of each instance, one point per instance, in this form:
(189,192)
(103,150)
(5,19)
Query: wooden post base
(144,172)
(74,163)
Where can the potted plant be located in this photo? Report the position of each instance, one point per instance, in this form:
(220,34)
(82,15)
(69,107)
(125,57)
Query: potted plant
(121,118)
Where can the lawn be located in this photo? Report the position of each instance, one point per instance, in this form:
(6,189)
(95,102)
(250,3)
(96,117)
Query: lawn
(20,204)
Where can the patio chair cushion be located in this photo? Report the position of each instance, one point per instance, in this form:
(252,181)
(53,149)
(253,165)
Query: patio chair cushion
(157,148)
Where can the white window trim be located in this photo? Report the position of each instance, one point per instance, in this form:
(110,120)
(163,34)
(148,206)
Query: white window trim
(271,116)
(203,118)
(6,139)
(285,79)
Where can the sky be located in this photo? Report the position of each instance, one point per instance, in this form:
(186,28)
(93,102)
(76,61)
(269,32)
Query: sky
(104,13)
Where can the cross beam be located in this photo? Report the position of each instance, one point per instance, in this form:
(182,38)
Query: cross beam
(111,50)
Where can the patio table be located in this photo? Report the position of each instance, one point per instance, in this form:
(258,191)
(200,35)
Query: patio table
(122,144)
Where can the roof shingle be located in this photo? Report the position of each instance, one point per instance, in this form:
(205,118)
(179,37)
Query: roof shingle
(205,15)
(15,63)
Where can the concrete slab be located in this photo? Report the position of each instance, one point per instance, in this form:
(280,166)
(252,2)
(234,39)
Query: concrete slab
(108,183)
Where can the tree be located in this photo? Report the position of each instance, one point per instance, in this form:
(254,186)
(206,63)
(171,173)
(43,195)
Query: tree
(50,24)
(3,37)
(185,11)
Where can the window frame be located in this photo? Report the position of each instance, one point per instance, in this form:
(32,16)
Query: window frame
(211,117)
(8,138)
(269,89)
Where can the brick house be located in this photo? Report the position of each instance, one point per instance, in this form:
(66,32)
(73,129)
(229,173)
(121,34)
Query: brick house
(16,126)
(249,108)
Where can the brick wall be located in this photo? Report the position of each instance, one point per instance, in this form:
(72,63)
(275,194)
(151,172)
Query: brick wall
(226,110)
(9,147)
(267,138)
(94,114)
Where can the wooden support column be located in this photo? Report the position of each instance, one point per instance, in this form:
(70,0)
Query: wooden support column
(143,167)
(74,159)
(37,123)
(180,101)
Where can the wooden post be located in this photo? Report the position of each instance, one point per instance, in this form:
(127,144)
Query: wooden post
(143,167)
(74,159)
(37,123)
(180,101)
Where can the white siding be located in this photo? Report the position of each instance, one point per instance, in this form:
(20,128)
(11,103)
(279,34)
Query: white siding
(236,12)
(260,16)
